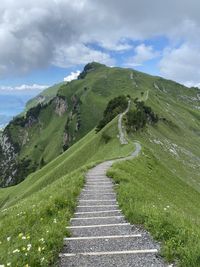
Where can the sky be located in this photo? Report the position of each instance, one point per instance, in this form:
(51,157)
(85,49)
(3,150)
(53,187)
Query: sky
(48,41)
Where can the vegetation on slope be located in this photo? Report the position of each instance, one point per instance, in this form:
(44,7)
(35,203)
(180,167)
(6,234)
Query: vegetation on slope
(139,117)
(160,189)
(79,105)
(115,106)
(166,174)
(35,213)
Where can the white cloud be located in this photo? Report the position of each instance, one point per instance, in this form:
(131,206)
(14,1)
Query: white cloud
(36,34)
(68,56)
(143,54)
(182,64)
(72,76)
(24,87)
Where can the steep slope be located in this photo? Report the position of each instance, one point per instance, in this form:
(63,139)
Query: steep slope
(49,129)
(34,213)
(44,97)
(160,189)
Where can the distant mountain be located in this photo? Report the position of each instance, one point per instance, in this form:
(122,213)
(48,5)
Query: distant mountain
(74,108)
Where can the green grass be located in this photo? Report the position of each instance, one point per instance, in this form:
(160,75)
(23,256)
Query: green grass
(168,99)
(165,174)
(38,210)
(158,190)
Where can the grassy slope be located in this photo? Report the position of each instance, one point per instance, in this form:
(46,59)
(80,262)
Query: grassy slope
(48,94)
(170,100)
(37,210)
(161,188)
(166,175)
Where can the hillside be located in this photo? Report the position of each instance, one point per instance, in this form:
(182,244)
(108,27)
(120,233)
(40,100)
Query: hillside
(160,189)
(49,129)
(44,97)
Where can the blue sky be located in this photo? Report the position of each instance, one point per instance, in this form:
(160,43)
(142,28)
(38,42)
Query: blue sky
(43,42)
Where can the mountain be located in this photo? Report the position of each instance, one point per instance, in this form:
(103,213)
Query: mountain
(44,97)
(48,129)
(159,190)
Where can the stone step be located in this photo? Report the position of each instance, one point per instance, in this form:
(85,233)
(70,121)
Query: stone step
(97,213)
(134,258)
(128,242)
(104,197)
(96,202)
(98,221)
(100,191)
(117,229)
(97,208)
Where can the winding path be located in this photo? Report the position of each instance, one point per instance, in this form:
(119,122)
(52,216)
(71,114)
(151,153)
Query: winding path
(101,237)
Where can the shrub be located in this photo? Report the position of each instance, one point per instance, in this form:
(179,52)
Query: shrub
(114,107)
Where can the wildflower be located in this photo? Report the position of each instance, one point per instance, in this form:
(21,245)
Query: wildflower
(47,231)
(168,206)
(23,248)
(42,259)
(165,209)
(42,240)
(8,264)
(16,250)
(8,238)
(20,235)
(26,265)
(54,221)
(23,237)
(29,247)
(39,249)
(43,248)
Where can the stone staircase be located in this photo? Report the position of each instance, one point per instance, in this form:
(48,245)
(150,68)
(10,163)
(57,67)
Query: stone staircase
(100,235)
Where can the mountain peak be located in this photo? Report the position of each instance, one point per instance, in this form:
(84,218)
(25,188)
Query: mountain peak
(90,67)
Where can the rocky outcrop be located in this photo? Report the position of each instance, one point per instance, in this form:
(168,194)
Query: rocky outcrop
(60,105)
(8,167)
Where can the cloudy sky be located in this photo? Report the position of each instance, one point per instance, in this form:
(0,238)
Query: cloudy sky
(44,42)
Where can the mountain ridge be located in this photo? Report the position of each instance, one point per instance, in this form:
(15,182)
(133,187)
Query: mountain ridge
(49,128)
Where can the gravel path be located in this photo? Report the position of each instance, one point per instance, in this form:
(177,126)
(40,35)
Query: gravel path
(100,235)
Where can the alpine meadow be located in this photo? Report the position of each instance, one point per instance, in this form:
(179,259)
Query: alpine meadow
(47,150)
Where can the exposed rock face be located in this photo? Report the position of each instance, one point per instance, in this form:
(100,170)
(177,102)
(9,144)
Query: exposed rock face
(8,161)
(60,105)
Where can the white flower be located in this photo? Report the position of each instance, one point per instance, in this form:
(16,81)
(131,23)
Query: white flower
(8,264)
(23,237)
(42,259)
(55,221)
(165,209)
(16,250)
(29,247)
(8,238)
